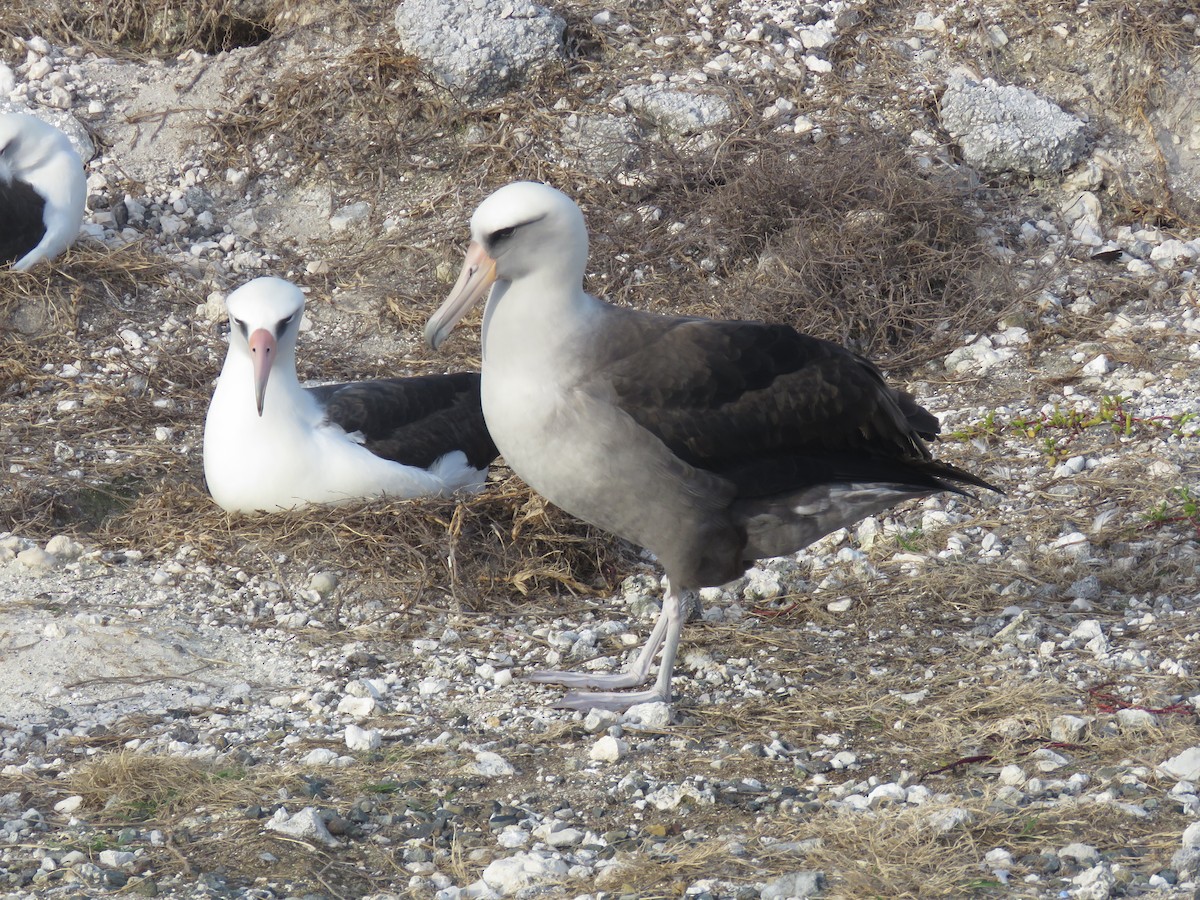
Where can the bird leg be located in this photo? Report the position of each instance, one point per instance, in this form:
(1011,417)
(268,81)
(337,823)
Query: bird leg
(637,674)
(666,634)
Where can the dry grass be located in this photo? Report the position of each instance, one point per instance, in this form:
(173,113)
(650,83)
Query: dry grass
(851,243)
(357,119)
(955,741)
(898,854)
(190,801)
(505,542)
(47,305)
(130,786)
(499,546)
(1142,41)
(144,28)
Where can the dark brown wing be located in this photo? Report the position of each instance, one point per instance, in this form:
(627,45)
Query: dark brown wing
(766,406)
(415,420)
(21,224)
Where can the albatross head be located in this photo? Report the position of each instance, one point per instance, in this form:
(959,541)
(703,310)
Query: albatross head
(524,229)
(264,320)
(26,143)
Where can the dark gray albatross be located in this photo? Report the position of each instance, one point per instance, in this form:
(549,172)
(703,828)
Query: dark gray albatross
(710,443)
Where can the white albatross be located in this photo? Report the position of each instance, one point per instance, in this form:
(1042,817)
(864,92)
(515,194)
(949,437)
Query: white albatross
(271,444)
(42,191)
(711,443)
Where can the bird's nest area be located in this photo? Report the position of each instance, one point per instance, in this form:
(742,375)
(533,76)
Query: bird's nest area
(103,443)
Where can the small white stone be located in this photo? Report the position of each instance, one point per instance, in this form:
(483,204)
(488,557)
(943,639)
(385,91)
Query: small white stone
(358,707)
(306,825)
(840,606)
(1047,760)
(1184,766)
(598,720)
(213,307)
(1012,775)
(886,794)
(1087,630)
(608,750)
(68,805)
(649,715)
(844,759)
(1191,835)
(116,859)
(64,548)
(319,756)
(492,765)
(999,858)
(433,687)
(37,560)
(1074,544)
(512,837)
(363,740)
(927,21)
(564,837)
(1097,367)
(1136,720)
(171,224)
(512,874)
(951,819)
(324,583)
(349,215)
(1069,729)
(1085,854)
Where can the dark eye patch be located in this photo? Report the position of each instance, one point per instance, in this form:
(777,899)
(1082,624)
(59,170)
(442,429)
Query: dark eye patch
(500,235)
(241,326)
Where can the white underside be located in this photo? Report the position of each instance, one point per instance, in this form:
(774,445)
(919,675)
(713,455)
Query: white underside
(288,457)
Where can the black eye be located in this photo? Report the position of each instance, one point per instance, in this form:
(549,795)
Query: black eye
(503,234)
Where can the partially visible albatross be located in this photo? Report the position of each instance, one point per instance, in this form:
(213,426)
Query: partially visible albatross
(42,191)
(710,443)
(271,444)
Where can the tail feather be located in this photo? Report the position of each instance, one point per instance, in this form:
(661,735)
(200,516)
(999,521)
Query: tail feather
(457,474)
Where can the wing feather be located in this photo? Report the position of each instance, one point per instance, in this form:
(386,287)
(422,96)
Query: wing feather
(414,420)
(764,405)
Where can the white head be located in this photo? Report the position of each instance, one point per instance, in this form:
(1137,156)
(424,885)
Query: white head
(27,143)
(525,229)
(264,322)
